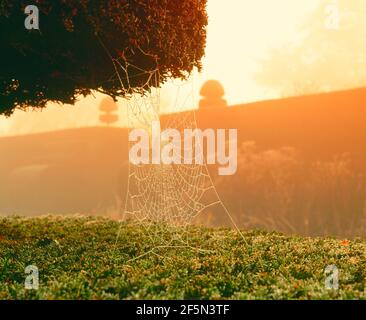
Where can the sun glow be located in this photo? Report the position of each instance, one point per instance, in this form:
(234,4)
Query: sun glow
(240,32)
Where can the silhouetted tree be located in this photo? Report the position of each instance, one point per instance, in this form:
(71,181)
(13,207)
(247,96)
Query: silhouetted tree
(326,59)
(107,108)
(71,53)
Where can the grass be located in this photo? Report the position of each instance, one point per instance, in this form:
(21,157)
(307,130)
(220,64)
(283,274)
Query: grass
(78,258)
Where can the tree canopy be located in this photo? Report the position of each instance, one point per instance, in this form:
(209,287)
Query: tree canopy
(73,51)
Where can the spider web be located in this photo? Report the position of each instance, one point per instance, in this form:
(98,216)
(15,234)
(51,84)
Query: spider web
(165,199)
(169,194)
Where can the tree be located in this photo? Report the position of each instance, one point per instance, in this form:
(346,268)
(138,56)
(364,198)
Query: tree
(326,59)
(73,51)
(107,108)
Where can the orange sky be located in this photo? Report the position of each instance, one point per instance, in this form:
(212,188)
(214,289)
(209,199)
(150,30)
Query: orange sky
(239,33)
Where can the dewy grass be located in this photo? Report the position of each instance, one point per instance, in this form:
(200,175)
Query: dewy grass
(78,258)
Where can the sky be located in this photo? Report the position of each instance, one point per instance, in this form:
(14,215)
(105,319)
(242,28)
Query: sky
(240,33)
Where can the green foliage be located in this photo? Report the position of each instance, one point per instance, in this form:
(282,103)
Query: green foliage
(71,53)
(78,259)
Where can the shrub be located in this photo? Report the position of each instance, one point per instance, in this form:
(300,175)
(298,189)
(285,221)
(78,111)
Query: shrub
(72,52)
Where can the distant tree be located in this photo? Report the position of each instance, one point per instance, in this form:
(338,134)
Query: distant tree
(107,108)
(70,55)
(327,58)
